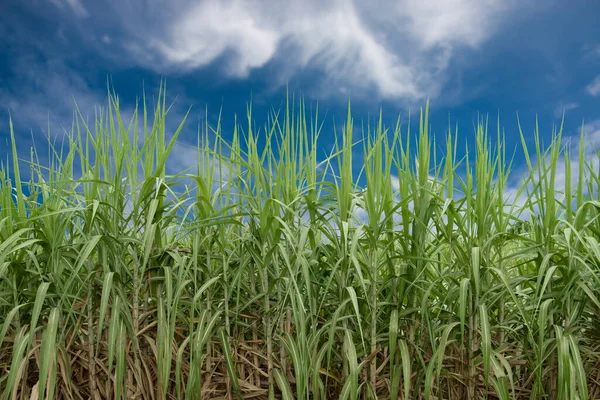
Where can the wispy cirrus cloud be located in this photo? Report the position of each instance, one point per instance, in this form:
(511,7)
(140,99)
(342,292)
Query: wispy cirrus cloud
(593,88)
(398,50)
(562,108)
(52,94)
(75,5)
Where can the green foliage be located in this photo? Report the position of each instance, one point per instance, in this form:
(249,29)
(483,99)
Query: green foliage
(268,272)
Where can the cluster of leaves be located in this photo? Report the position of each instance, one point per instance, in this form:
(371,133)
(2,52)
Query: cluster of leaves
(271,273)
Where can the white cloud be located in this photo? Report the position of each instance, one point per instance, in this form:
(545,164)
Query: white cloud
(209,29)
(45,93)
(74,5)
(331,36)
(401,49)
(184,157)
(449,22)
(564,108)
(594,87)
(592,133)
(592,50)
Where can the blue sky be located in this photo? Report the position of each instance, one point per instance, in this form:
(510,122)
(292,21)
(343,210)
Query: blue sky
(469,57)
